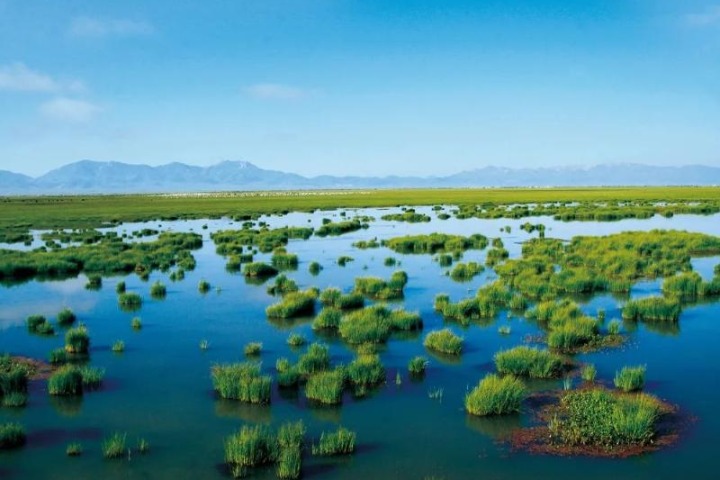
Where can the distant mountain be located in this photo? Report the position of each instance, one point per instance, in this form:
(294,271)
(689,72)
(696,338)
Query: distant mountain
(88,176)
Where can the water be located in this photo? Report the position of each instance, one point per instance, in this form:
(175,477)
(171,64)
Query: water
(160,388)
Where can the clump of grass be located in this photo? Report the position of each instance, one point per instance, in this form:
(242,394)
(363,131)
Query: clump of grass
(259,270)
(344,260)
(282,286)
(495,395)
(253,349)
(333,297)
(630,379)
(390,262)
(91,376)
(74,449)
(58,356)
(417,365)
(652,309)
(463,272)
(120,287)
(14,399)
(241,381)
(598,418)
(282,260)
(296,340)
(289,463)
(118,346)
(136,323)
(40,325)
(436,242)
(444,341)
(315,359)
(340,442)
(204,345)
(374,324)
(614,327)
(77,340)
(444,259)
(366,370)
(12,435)
(203,286)
(326,387)
(530,362)
(379,289)
(130,300)
(314,268)
(293,304)
(94,282)
(327,319)
(66,381)
(66,317)
(143,446)
(588,373)
(504,330)
(114,445)
(158,290)
(250,447)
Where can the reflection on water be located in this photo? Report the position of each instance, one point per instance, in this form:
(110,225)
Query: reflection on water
(496,427)
(244,411)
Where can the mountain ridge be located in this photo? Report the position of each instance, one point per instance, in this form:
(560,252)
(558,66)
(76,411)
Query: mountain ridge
(90,176)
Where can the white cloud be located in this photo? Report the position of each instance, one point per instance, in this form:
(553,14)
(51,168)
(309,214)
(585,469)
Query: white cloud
(710,17)
(95,27)
(19,78)
(69,110)
(275,91)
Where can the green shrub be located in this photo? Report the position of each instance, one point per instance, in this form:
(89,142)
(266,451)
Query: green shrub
(463,272)
(344,260)
(417,365)
(444,341)
(340,442)
(158,290)
(66,317)
(525,361)
(495,395)
(366,370)
(67,380)
(94,282)
(250,447)
(293,304)
(282,286)
(296,340)
(130,300)
(253,349)
(630,379)
(203,286)
(114,445)
(259,270)
(316,359)
(241,381)
(12,435)
(314,268)
(39,324)
(120,287)
(328,318)
(326,387)
(652,309)
(77,340)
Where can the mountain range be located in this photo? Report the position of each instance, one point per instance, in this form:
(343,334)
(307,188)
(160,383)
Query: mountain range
(89,176)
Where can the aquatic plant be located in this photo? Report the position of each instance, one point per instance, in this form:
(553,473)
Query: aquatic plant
(92,377)
(444,341)
(282,285)
(463,272)
(652,309)
(204,345)
(94,282)
(333,297)
(143,446)
(339,228)
(66,317)
(417,365)
(326,387)
(531,362)
(251,446)
(136,323)
(296,340)
(365,370)
(374,324)
(390,261)
(504,330)
(630,379)
(315,359)
(158,290)
(252,349)
(203,286)
(74,449)
(259,270)
(241,381)
(588,373)
(77,340)
(58,356)
(344,260)
(120,287)
(379,289)
(12,435)
(328,318)
(340,442)
(495,395)
(114,445)
(40,325)
(435,242)
(129,300)
(282,260)
(118,346)
(294,304)
(67,380)
(314,268)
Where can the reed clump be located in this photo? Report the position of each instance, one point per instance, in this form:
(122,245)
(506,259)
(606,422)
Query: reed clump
(630,379)
(241,381)
(530,362)
(496,395)
(444,341)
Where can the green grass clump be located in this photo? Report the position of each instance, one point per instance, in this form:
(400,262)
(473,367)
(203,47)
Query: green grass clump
(444,341)
(290,439)
(66,381)
(340,442)
(158,290)
(530,362)
(282,286)
(58,356)
(374,324)
(315,359)
(74,449)
(366,370)
(253,349)
(417,365)
(40,325)
(282,260)
(12,435)
(598,418)
(203,286)
(409,215)
(338,228)
(495,395)
(136,323)
(91,376)
(652,309)
(296,340)
(259,270)
(118,346)
(333,297)
(252,446)
(77,340)
(130,300)
(436,242)
(326,387)
(344,260)
(114,445)
(379,289)
(94,282)
(66,317)
(294,304)
(504,330)
(630,379)
(390,261)
(444,259)
(241,381)
(120,287)
(463,272)
(314,268)
(588,373)
(13,383)
(327,319)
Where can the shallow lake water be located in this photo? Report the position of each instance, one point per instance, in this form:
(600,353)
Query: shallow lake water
(160,389)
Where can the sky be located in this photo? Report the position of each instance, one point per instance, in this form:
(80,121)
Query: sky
(366,87)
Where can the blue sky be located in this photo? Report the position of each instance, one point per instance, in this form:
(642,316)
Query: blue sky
(360,87)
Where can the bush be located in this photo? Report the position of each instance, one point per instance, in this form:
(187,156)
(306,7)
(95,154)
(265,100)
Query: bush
(588,373)
(340,442)
(203,286)
(326,387)
(314,268)
(12,435)
(444,341)
(241,381)
(525,361)
(630,379)
(495,395)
